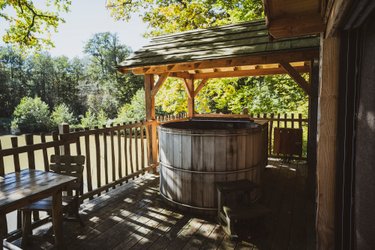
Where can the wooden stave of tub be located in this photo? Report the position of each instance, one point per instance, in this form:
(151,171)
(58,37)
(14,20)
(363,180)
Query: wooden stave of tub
(189,169)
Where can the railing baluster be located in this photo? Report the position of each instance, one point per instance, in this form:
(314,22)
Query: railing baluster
(2,169)
(78,144)
(148,144)
(105,143)
(292,120)
(44,152)
(285,121)
(125,153)
(119,157)
(88,160)
(270,135)
(136,149)
(16,157)
(30,153)
(97,154)
(55,137)
(131,149)
(113,148)
(142,148)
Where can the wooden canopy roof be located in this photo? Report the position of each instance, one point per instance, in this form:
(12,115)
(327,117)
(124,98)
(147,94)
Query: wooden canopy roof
(236,50)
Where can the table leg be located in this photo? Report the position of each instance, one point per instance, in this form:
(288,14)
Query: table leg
(57,220)
(3,228)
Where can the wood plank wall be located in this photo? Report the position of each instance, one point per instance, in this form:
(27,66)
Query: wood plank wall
(327,143)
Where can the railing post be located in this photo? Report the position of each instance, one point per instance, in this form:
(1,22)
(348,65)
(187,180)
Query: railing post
(16,157)
(30,154)
(64,129)
(2,169)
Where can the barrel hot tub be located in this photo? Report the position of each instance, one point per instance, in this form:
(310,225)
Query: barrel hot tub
(196,154)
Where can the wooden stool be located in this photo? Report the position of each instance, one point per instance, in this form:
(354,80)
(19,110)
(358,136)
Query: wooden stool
(237,202)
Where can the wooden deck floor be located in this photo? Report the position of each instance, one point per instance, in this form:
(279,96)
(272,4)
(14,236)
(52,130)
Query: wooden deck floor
(134,217)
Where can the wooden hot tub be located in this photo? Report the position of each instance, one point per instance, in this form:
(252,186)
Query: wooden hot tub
(197,153)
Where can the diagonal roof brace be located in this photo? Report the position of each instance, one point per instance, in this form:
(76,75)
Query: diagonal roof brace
(296,77)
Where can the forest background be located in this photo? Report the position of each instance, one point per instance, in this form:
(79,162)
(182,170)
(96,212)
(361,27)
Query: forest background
(38,91)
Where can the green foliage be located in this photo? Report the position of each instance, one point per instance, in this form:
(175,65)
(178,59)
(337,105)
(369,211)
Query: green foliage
(62,114)
(180,15)
(172,97)
(133,111)
(31,115)
(266,94)
(86,84)
(91,119)
(28,25)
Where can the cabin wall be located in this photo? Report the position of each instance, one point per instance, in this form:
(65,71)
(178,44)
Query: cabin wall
(355,175)
(364,191)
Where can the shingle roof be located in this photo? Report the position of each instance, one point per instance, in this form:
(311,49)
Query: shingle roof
(243,39)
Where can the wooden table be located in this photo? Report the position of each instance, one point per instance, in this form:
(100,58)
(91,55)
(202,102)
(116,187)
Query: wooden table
(20,189)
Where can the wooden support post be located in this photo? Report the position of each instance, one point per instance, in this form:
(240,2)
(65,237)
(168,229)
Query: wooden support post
(327,143)
(189,86)
(150,116)
(312,127)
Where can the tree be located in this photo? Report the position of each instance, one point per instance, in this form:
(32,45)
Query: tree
(31,115)
(29,25)
(133,111)
(110,89)
(180,15)
(13,65)
(62,114)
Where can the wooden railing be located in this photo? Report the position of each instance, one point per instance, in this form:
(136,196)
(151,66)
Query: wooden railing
(274,121)
(284,121)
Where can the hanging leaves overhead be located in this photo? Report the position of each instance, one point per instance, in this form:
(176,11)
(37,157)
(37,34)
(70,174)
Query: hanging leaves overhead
(30,23)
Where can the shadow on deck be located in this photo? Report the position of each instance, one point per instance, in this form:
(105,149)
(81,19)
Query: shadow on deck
(134,217)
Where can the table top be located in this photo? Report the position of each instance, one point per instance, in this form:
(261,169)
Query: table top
(27,186)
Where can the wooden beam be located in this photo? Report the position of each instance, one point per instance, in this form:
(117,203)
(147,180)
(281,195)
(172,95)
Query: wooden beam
(252,72)
(334,15)
(182,75)
(200,86)
(289,56)
(296,77)
(296,25)
(159,83)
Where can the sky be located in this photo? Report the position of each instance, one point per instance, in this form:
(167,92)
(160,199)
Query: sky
(87,17)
